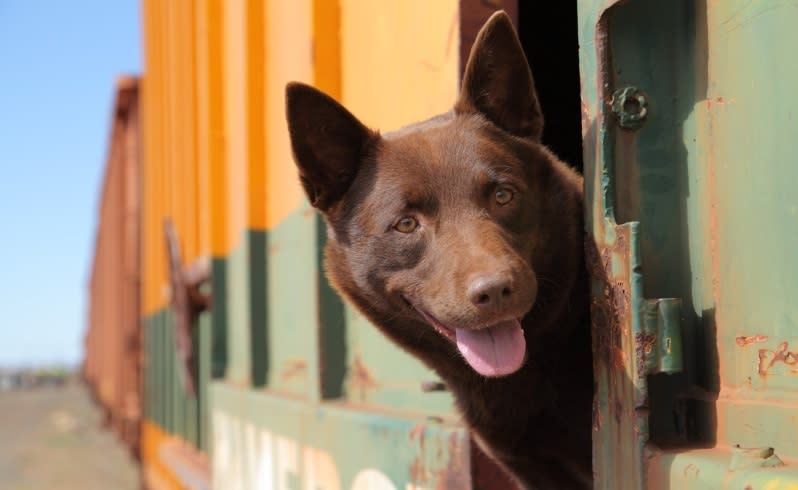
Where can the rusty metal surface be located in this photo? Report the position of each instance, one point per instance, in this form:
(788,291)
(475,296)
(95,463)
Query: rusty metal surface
(264,440)
(698,192)
(188,301)
(112,362)
(215,151)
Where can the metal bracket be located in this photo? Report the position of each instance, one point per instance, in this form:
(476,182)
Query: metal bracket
(188,301)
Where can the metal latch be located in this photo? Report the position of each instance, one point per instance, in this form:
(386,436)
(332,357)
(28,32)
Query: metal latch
(660,343)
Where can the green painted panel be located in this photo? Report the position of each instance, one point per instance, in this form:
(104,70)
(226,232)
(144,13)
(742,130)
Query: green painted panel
(167,403)
(266,441)
(315,343)
(167,370)
(238,315)
(245,290)
(219,317)
(190,404)
(149,370)
(332,326)
(751,110)
(380,373)
(707,181)
(293,306)
(204,345)
(724,469)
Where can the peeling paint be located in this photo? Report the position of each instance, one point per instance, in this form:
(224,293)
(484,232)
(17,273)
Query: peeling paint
(361,380)
(743,340)
(781,355)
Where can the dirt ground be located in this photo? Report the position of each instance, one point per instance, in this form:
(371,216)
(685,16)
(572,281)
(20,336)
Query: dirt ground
(51,438)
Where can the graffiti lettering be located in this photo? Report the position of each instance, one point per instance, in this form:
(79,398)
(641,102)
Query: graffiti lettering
(246,457)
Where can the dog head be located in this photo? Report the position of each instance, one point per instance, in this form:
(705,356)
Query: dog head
(435,231)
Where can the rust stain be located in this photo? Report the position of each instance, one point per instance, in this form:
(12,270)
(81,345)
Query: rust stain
(607,314)
(417,469)
(620,245)
(768,358)
(361,378)
(620,298)
(456,472)
(293,368)
(586,119)
(743,340)
(596,413)
(618,412)
(644,344)
(416,433)
(719,101)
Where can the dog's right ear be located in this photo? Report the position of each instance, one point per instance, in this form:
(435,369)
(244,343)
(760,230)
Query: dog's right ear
(328,143)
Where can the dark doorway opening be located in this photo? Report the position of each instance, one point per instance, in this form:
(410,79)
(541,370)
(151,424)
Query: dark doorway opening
(550,38)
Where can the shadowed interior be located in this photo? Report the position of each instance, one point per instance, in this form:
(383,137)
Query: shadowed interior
(549,36)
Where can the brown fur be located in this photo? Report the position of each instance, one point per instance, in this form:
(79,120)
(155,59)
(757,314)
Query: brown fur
(444,172)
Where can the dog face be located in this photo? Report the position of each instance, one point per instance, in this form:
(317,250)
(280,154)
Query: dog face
(436,231)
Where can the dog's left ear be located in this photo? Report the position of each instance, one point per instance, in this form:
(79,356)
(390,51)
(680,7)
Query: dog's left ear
(328,143)
(498,82)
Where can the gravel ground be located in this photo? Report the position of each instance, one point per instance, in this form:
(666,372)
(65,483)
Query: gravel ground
(51,438)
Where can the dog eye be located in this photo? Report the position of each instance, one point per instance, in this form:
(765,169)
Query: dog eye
(503,196)
(406,225)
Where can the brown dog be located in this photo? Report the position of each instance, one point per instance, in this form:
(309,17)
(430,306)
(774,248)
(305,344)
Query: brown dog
(460,238)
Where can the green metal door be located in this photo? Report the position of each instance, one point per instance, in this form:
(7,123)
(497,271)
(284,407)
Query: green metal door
(689,133)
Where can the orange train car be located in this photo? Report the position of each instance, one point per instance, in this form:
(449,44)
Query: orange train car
(208,257)
(113,357)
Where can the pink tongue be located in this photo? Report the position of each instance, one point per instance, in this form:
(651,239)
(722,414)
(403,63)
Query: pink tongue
(494,351)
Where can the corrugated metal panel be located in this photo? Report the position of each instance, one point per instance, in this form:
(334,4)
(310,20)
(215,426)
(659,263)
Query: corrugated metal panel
(184,184)
(672,193)
(113,339)
(218,163)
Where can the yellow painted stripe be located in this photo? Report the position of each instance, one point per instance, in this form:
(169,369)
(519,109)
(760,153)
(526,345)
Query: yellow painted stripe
(181,135)
(216,154)
(422,77)
(156,475)
(290,57)
(213,58)
(258,137)
(150,142)
(235,116)
(327,47)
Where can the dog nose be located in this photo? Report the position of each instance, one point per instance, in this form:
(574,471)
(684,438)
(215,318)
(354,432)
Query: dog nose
(490,290)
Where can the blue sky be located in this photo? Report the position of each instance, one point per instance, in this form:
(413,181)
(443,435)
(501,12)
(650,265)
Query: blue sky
(58,63)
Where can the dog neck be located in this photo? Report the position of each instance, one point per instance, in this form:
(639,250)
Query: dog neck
(510,413)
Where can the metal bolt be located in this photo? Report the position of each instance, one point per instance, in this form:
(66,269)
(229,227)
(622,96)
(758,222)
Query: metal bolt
(630,106)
